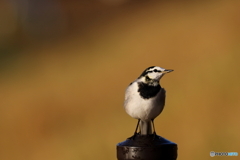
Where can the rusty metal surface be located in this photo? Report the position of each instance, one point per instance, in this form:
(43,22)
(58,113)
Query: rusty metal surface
(147,148)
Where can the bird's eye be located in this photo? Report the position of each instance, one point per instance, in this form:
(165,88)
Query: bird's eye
(155,70)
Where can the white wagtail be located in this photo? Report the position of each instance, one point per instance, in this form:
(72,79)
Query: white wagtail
(145,99)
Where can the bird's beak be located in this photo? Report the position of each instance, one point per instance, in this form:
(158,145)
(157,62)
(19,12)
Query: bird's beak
(167,71)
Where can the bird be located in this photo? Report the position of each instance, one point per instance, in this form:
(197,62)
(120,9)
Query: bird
(145,99)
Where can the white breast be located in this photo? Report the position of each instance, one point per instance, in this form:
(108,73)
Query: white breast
(139,108)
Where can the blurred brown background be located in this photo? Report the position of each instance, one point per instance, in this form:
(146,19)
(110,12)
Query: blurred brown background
(65,64)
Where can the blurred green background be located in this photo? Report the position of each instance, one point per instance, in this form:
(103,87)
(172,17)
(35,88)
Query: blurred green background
(65,64)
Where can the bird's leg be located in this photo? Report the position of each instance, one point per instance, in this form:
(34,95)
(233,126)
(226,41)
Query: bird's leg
(135,133)
(153,126)
(154,132)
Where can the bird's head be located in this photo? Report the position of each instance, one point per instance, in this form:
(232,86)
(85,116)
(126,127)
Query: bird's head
(152,75)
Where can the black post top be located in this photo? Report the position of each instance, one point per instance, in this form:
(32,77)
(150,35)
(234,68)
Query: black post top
(149,147)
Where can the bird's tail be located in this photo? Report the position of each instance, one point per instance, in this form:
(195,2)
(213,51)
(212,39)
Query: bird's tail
(145,127)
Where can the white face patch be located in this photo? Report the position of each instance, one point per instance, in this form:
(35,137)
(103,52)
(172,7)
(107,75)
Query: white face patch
(152,74)
(155,73)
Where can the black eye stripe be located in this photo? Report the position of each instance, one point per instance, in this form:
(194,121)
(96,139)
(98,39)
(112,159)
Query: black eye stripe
(149,70)
(155,70)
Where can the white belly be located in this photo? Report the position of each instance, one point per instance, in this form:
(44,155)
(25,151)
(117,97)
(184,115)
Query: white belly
(139,108)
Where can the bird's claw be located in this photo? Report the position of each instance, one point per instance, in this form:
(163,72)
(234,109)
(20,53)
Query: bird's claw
(133,137)
(154,135)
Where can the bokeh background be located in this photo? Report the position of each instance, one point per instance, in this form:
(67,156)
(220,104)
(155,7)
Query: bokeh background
(65,64)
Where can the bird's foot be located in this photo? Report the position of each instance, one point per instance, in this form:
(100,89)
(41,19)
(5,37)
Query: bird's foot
(154,135)
(133,137)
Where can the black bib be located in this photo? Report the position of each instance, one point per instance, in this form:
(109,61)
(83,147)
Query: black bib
(146,91)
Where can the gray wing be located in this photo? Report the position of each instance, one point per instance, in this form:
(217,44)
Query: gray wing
(161,99)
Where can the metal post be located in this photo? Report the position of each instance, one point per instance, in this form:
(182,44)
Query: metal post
(149,147)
